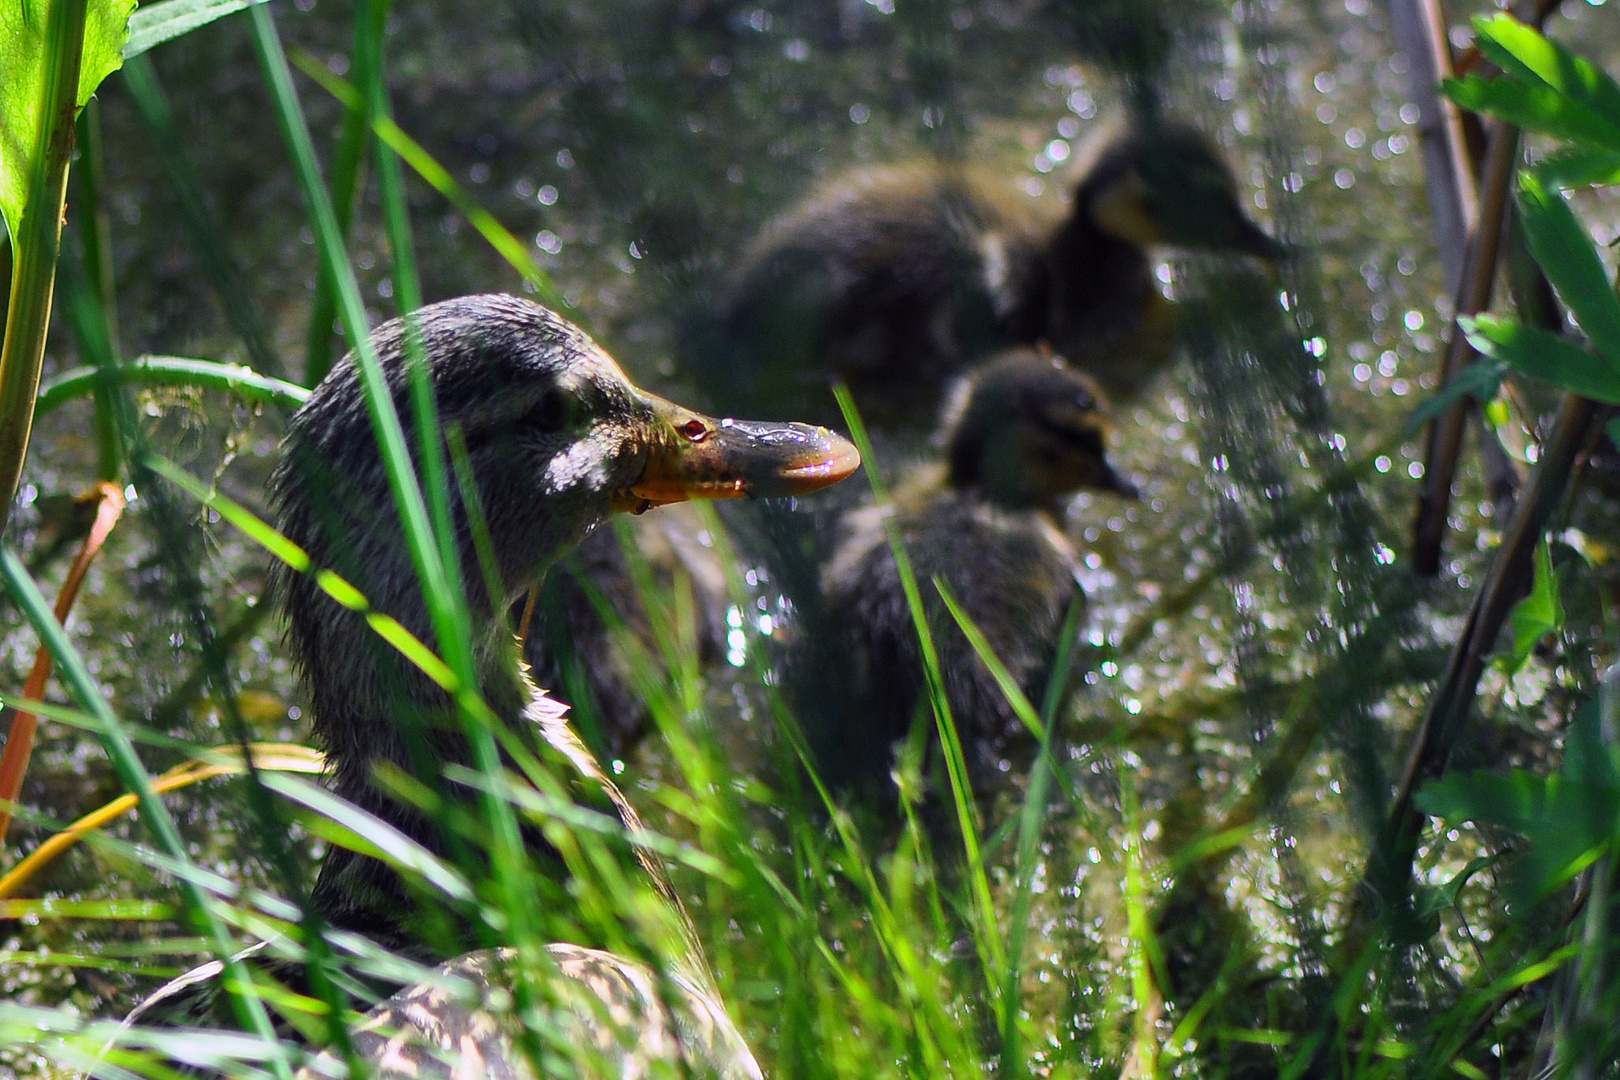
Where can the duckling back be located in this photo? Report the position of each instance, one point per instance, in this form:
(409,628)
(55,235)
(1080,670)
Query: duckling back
(1013,574)
(891,279)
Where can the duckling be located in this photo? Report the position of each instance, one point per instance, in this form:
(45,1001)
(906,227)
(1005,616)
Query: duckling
(557,441)
(897,278)
(1023,434)
(573,646)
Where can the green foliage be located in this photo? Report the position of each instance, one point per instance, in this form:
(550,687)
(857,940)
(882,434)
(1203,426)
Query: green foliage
(1570,260)
(1569,819)
(1530,350)
(1587,102)
(1547,89)
(153,24)
(1479,380)
(26,59)
(1537,615)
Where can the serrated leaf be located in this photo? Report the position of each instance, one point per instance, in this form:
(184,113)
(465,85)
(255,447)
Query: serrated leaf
(1570,260)
(1526,55)
(154,24)
(1535,107)
(1543,355)
(1538,614)
(23,59)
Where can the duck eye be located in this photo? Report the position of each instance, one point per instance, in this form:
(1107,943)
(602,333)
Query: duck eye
(551,413)
(696,430)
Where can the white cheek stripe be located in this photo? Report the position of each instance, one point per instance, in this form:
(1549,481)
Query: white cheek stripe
(580,462)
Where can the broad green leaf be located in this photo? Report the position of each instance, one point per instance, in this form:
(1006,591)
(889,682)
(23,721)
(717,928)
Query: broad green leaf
(1568,823)
(1588,758)
(1536,107)
(1478,380)
(1539,614)
(1526,55)
(1569,818)
(1573,167)
(1570,260)
(1543,355)
(23,56)
(154,24)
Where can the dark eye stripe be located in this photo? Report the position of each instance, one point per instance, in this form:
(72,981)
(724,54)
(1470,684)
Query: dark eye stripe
(1087,439)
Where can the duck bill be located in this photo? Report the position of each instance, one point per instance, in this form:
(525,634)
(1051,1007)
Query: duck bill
(1118,483)
(697,457)
(1253,240)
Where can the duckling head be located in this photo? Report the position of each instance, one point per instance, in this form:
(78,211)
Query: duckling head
(1026,430)
(1161,182)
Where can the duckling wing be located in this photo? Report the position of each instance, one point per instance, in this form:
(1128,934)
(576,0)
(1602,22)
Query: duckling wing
(891,279)
(1010,579)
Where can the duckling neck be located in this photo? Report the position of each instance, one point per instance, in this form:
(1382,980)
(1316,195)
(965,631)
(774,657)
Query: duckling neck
(970,476)
(1098,285)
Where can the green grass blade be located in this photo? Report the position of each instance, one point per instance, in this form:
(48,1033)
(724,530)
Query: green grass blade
(121,751)
(510,248)
(988,935)
(153,24)
(213,251)
(348,162)
(371,78)
(242,382)
(96,253)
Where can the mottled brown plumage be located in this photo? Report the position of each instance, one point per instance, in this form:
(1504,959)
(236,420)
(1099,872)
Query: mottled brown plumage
(897,278)
(607,1017)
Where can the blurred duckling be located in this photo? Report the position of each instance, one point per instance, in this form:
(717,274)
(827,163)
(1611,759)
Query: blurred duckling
(1024,434)
(897,278)
(576,647)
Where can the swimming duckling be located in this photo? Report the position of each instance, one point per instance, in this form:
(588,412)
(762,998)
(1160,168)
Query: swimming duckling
(557,440)
(897,278)
(1024,433)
